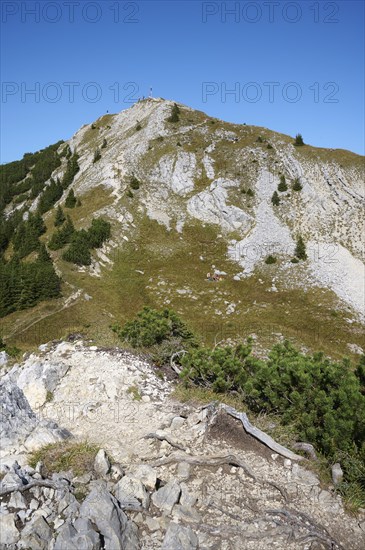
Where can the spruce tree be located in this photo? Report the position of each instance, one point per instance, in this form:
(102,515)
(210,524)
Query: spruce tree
(60,217)
(297,186)
(282,185)
(43,256)
(70,199)
(275,199)
(300,249)
(298,140)
(175,114)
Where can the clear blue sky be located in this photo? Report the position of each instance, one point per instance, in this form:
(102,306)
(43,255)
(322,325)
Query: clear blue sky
(177,48)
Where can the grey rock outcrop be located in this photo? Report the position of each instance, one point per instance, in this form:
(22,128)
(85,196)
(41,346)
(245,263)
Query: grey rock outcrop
(167,496)
(179,537)
(19,424)
(103,510)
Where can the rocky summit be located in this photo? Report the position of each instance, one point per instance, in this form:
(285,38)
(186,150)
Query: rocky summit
(155,473)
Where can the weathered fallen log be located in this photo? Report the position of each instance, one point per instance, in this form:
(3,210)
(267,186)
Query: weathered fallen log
(259,434)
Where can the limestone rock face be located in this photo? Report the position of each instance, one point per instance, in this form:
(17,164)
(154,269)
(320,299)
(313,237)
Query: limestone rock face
(20,425)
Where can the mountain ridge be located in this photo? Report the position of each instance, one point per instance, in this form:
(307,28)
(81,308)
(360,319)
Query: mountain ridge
(195,179)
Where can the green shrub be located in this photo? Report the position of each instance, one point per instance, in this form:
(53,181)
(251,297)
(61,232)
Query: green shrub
(260,140)
(135,183)
(138,127)
(129,194)
(270,260)
(224,369)
(151,327)
(269,146)
(322,398)
(105,143)
(250,192)
(98,232)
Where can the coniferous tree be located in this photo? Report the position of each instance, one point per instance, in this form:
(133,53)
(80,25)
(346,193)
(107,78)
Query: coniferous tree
(71,170)
(78,252)
(60,217)
(70,199)
(297,186)
(275,199)
(62,236)
(300,249)
(175,114)
(282,185)
(298,140)
(51,194)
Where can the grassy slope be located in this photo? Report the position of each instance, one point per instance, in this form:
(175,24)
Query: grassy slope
(170,262)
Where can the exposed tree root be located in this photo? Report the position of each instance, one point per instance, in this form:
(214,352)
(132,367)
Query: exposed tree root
(231,460)
(161,437)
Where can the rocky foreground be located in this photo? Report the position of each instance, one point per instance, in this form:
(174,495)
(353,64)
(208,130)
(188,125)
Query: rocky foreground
(167,476)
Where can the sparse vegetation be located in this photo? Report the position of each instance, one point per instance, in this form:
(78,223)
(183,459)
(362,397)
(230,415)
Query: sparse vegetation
(134,392)
(68,455)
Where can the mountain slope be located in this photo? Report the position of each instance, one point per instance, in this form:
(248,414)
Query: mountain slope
(202,202)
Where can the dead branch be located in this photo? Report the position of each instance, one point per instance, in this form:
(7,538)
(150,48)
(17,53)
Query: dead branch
(172,362)
(30,485)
